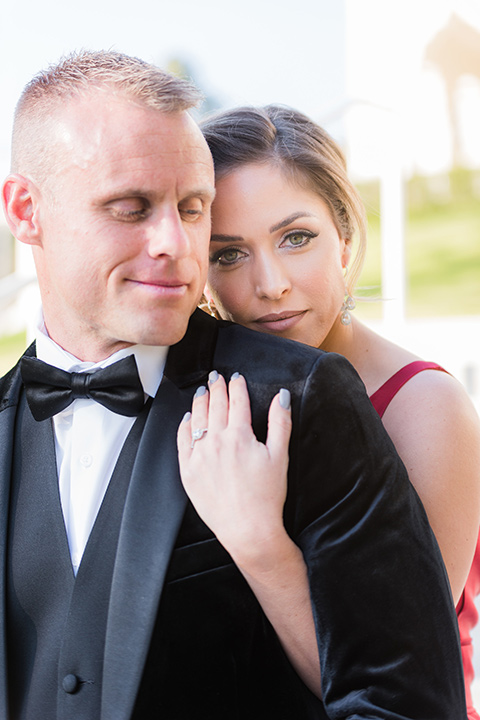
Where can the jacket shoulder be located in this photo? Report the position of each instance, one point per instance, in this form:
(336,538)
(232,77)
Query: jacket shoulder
(10,382)
(274,356)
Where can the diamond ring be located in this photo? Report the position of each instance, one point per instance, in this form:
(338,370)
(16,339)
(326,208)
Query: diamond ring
(197,435)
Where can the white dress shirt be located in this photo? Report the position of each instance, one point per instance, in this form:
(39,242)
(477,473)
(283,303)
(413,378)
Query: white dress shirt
(89,438)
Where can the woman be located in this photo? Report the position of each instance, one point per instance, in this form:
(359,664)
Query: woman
(283,224)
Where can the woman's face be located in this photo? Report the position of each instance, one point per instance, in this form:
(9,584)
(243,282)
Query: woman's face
(276,258)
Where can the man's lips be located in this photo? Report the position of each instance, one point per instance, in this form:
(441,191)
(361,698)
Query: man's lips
(161,286)
(279,322)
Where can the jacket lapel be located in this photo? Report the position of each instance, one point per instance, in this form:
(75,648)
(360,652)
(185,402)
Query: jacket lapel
(7,425)
(9,394)
(153,513)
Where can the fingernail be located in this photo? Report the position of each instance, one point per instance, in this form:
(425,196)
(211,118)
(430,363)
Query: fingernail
(200,391)
(235,376)
(213,377)
(284,399)
(187,417)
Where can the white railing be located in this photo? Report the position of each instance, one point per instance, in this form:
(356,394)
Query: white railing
(11,285)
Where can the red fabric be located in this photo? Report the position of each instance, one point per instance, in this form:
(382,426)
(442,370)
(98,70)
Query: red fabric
(382,398)
(467,613)
(467,619)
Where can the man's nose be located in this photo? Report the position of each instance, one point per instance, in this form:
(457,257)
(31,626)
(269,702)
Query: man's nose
(167,236)
(272,279)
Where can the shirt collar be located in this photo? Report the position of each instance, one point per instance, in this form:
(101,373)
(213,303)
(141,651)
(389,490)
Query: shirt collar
(150,358)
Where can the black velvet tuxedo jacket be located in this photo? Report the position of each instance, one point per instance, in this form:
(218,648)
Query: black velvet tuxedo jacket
(186,638)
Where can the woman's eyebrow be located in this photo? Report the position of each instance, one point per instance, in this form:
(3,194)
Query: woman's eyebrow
(226,238)
(291,218)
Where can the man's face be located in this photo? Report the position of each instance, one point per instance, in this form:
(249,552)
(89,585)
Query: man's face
(125,227)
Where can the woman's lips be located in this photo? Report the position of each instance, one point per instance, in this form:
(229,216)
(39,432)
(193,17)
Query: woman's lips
(280,322)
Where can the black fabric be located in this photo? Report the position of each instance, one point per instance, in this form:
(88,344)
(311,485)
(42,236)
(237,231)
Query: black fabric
(50,390)
(57,622)
(186,639)
(231,668)
(214,653)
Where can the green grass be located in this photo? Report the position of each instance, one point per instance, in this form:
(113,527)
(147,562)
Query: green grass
(11,347)
(442,259)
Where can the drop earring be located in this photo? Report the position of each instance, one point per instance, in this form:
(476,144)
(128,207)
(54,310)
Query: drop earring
(348,305)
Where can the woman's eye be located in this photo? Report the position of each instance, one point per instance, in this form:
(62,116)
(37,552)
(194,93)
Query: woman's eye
(229,256)
(296,239)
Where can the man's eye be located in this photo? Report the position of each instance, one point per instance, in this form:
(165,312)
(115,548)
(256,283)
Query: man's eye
(191,212)
(128,210)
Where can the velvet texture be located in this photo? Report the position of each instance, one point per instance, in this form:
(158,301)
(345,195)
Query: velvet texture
(186,638)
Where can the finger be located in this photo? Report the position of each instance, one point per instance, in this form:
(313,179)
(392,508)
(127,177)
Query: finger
(218,402)
(279,425)
(199,420)
(184,438)
(239,412)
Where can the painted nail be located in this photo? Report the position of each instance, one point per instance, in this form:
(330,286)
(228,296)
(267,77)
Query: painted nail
(200,391)
(187,417)
(284,399)
(213,377)
(235,376)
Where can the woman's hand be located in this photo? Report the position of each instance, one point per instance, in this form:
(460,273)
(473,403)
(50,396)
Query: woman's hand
(237,484)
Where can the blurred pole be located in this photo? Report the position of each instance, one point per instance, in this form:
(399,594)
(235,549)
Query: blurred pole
(392,224)
(27,300)
(24,265)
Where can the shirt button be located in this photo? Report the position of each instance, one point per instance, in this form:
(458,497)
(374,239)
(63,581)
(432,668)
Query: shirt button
(86,460)
(70,683)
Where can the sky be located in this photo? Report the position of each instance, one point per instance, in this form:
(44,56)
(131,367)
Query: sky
(348,63)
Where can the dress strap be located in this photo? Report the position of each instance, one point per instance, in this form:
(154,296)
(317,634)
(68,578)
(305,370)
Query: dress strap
(382,397)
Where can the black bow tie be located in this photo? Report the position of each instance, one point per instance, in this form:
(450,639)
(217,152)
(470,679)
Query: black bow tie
(50,390)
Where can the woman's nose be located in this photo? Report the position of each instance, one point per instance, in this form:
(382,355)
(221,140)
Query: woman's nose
(272,279)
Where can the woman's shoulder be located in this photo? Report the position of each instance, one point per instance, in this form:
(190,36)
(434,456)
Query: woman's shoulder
(431,418)
(419,392)
(426,389)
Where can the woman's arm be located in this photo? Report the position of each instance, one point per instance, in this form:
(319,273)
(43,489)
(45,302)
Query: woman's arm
(238,487)
(436,432)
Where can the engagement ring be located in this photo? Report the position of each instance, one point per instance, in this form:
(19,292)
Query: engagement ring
(197,435)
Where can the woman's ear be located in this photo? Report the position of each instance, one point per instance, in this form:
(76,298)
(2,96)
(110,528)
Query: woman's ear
(346,252)
(21,209)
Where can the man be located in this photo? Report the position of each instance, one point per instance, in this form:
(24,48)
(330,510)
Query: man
(118,602)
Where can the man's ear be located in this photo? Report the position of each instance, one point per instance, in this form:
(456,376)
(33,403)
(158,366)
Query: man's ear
(207,293)
(20,204)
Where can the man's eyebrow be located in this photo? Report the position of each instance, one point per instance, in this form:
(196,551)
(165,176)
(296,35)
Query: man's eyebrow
(226,238)
(206,193)
(291,218)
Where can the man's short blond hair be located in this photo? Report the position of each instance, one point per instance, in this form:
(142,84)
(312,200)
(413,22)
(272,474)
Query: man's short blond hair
(78,75)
